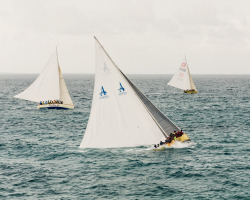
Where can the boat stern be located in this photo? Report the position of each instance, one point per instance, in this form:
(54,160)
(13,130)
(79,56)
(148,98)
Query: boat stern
(183,138)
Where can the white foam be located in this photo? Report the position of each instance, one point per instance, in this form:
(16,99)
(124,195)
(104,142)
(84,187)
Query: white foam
(179,145)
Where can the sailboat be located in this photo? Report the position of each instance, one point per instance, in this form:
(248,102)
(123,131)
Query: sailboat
(182,79)
(49,89)
(121,116)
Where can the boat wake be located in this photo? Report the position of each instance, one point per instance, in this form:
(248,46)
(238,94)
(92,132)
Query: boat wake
(176,145)
(180,145)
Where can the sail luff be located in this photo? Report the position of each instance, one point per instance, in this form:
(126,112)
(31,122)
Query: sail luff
(57,57)
(59,70)
(137,93)
(189,76)
(192,85)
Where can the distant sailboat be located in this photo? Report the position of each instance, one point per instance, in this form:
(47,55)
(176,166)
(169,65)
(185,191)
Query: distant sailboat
(182,79)
(49,89)
(121,116)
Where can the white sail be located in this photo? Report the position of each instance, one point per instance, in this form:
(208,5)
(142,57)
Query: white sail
(182,78)
(64,93)
(120,114)
(46,86)
(49,85)
(191,81)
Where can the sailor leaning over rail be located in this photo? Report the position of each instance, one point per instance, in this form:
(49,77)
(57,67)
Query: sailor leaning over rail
(171,137)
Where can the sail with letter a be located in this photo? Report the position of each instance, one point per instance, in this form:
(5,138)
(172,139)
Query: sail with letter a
(49,85)
(121,116)
(182,78)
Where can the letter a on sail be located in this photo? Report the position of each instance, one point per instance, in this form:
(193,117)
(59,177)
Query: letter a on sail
(123,117)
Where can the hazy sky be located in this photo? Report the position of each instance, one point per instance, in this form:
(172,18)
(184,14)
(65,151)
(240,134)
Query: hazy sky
(142,36)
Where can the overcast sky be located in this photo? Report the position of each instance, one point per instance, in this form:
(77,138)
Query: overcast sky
(142,36)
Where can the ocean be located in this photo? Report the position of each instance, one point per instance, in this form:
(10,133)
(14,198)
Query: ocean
(40,156)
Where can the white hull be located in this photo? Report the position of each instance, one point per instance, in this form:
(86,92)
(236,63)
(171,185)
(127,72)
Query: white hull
(56,106)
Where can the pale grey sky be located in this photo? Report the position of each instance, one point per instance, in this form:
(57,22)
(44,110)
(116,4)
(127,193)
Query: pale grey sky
(142,36)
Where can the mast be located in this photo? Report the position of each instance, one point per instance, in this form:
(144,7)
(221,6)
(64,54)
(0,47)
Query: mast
(64,93)
(58,73)
(192,86)
(106,53)
(133,87)
(57,57)
(188,73)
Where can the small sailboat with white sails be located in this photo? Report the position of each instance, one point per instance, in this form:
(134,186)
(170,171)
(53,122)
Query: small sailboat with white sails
(182,79)
(121,116)
(49,89)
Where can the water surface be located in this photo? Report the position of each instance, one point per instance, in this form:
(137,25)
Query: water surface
(40,156)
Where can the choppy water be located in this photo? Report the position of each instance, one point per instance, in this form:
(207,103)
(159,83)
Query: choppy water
(40,158)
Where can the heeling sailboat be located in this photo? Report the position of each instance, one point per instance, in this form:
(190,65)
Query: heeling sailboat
(49,89)
(182,79)
(121,116)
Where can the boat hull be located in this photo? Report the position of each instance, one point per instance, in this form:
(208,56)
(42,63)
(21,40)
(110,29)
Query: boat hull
(55,106)
(190,92)
(183,138)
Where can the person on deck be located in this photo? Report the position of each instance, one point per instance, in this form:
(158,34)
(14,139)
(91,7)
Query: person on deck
(178,133)
(170,138)
(174,135)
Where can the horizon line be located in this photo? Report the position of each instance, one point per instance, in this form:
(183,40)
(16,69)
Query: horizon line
(126,73)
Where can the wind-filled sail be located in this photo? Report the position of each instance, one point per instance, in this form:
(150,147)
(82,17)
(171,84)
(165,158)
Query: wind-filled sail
(49,85)
(191,81)
(46,86)
(121,116)
(64,93)
(182,78)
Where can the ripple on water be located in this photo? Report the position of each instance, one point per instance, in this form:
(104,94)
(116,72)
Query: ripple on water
(40,156)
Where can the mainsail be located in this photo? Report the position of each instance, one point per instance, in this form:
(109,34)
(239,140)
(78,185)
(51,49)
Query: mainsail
(121,116)
(182,78)
(49,85)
